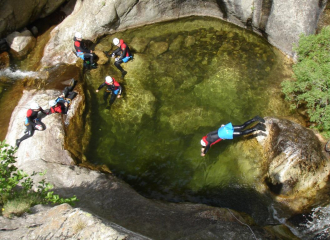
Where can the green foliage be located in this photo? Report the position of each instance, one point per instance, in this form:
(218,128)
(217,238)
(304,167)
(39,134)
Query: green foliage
(16,187)
(311,83)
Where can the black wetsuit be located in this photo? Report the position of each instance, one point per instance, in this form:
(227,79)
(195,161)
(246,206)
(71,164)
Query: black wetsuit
(82,50)
(114,88)
(31,122)
(124,54)
(213,137)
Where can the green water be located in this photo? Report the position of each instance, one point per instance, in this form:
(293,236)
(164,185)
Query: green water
(187,78)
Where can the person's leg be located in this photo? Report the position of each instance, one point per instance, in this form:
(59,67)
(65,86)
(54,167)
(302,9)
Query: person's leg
(247,123)
(105,96)
(112,99)
(89,56)
(259,126)
(28,133)
(117,64)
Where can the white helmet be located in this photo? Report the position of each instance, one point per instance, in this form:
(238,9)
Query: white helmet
(52,103)
(115,41)
(35,105)
(108,79)
(203,143)
(78,35)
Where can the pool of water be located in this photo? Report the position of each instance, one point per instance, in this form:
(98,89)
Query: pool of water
(189,77)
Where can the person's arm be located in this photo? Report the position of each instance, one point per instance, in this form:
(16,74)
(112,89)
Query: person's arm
(116,52)
(101,86)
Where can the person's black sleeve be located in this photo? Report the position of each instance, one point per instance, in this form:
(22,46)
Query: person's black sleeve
(116,52)
(101,86)
(207,148)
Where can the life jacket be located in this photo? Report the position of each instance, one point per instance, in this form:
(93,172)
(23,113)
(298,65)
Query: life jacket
(226,132)
(113,87)
(30,116)
(123,46)
(56,109)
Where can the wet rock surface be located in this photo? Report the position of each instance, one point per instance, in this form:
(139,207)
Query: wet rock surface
(297,168)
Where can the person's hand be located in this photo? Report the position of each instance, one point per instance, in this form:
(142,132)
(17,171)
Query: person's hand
(97,90)
(202,152)
(65,104)
(91,51)
(118,96)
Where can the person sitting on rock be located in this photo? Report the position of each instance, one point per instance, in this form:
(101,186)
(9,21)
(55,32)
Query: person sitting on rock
(113,87)
(31,122)
(62,103)
(123,52)
(81,50)
(230,131)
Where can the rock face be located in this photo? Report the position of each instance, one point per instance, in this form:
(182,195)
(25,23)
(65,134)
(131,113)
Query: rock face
(16,14)
(297,168)
(62,222)
(280,21)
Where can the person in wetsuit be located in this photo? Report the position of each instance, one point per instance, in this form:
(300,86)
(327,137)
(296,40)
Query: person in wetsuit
(113,87)
(124,54)
(62,103)
(31,122)
(81,50)
(230,131)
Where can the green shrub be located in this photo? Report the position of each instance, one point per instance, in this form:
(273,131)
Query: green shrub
(16,187)
(311,83)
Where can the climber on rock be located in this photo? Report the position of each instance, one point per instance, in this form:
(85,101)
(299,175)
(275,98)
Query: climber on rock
(82,51)
(32,122)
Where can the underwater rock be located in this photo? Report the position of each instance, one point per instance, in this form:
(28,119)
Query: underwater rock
(190,40)
(157,48)
(297,168)
(21,43)
(139,44)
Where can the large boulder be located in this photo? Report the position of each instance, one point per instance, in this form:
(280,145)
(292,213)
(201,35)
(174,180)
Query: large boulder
(297,168)
(280,21)
(21,43)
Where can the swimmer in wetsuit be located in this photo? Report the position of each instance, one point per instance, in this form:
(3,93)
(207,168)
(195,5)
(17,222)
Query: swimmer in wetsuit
(230,131)
(113,87)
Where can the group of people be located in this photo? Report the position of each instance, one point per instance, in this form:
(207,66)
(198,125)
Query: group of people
(122,54)
(61,104)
